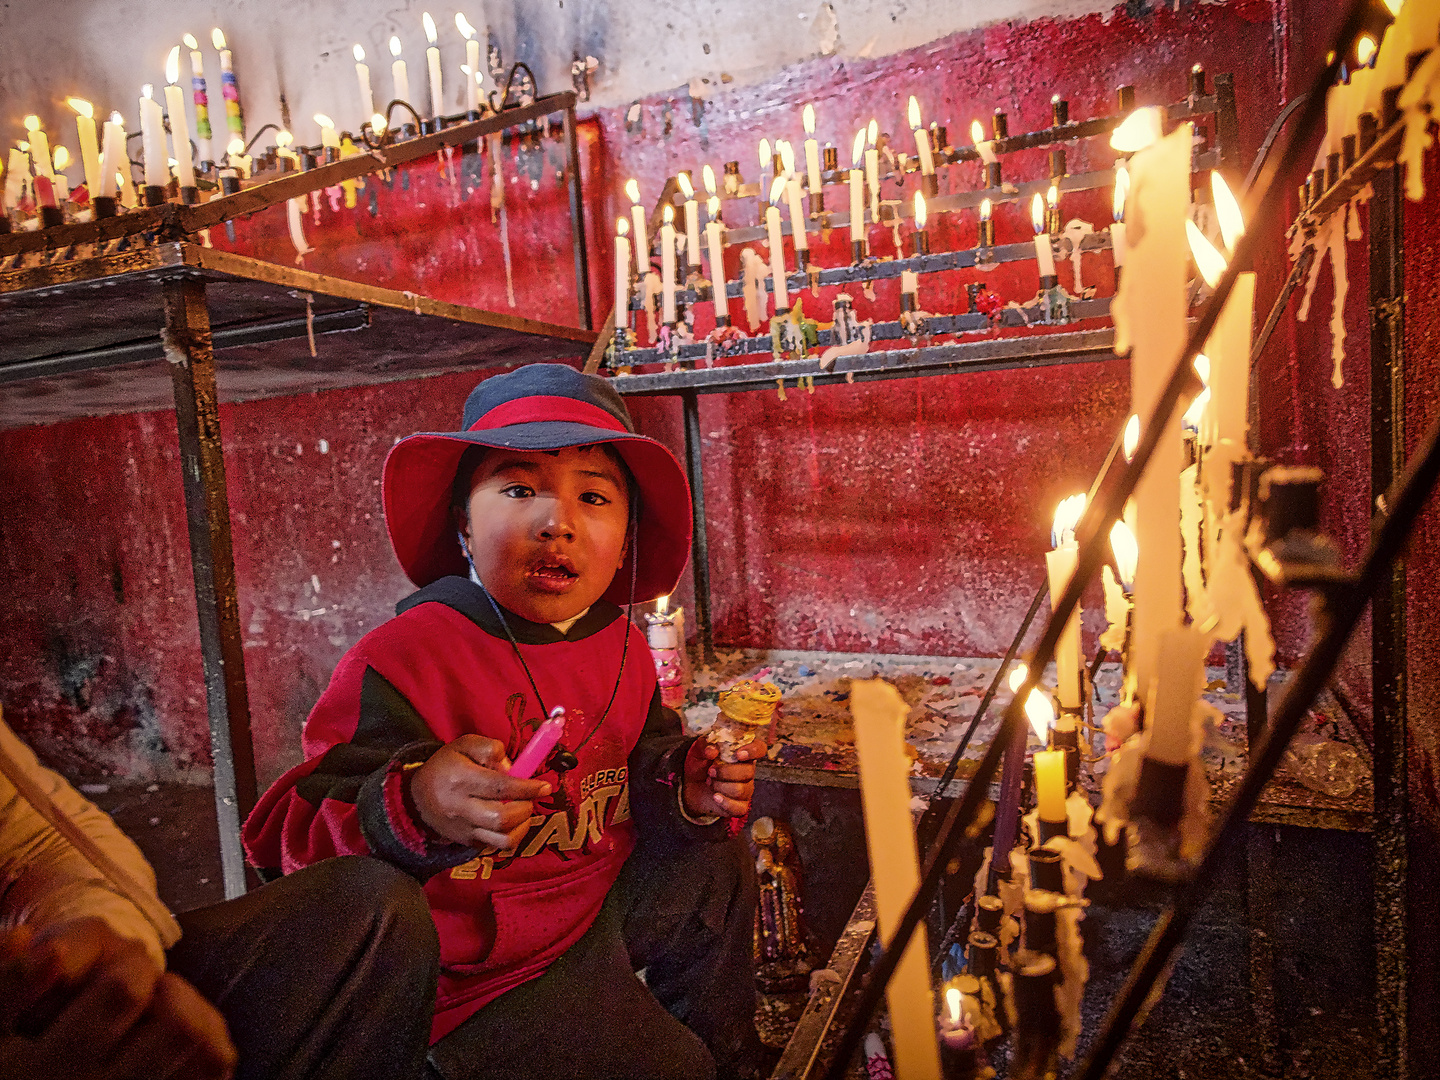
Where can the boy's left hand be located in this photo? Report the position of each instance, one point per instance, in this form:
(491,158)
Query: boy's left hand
(716,787)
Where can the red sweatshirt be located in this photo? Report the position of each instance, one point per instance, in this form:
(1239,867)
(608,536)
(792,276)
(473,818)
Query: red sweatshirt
(443,668)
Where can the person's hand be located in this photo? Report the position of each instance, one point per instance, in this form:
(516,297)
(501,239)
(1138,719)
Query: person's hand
(81,1002)
(716,787)
(463,794)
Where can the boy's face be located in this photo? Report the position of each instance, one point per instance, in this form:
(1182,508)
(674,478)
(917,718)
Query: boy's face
(547,529)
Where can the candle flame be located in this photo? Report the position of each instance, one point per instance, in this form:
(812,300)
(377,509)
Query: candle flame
(986,208)
(764,154)
(359,53)
(1067,516)
(1202,367)
(707,174)
(81,106)
(323,120)
(1207,257)
(23,146)
(378,123)
(787,154)
(395,45)
(1191,419)
(1126,552)
(1122,191)
(686,188)
(1365,50)
(463,25)
(1052,196)
(952,1003)
(808,118)
(977,133)
(32,122)
(62,158)
(857,153)
(872,132)
(921,215)
(1131,438)
(283,138)
(1395,6)
(217,38)
(662,605)
(429,26)
(236,147)
(622,227)
(116,118)
(1037,213)
(190,42)
(632,189)
(914,112)
(1138,130)
(147,92)
(712,207)
(1232,223)
(667,216)
(172,66)
(777,188)
(1040,713)
(1017,677)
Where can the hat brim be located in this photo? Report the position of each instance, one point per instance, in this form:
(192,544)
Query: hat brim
(419,477)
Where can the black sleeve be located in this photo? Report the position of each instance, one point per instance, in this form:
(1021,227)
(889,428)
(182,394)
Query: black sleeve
(657,773)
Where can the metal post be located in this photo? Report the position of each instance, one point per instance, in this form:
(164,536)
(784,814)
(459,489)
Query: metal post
(188,348)
(1387,629)
(577,218)
(1227,125)
(700,558)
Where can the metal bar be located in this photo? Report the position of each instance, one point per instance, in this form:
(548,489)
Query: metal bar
(1387,629)
(1353,181)
(577,218)
(700,556)
(207,513)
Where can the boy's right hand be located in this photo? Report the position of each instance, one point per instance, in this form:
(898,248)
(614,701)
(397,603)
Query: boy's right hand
(463,794)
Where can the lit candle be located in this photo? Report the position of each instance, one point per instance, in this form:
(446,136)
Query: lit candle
(872,168)
(179,123)
(113,159)
(1044,257)
(777,246)
(984,147)
(664,633)
(879,715)
(17,172)
(1117,227)
(667,265)
(432,60)
(234,118)
(62,182)
(797,221)
(642,240)
(89,148)
(987,225)
(329,137)
(922,216)
(397,71)
(39,147)
(472,61)
(922,147)
(857,198)
(362,75)
(767,161)
(622,274)
(692,222)
(1228,347)
(200,97)
(1060,564)
(812,161)
(238,159)
(152,131)
(283,141)
(1050,786)
(713,239)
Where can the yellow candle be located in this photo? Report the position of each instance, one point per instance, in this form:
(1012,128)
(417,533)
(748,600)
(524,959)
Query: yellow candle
(879,714)
(1050,784)
(329,137)
(89,147)
(1172,696)
(15,176)
(1228,346)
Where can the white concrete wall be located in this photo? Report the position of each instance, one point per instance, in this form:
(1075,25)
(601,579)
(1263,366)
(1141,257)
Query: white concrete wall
(104,50)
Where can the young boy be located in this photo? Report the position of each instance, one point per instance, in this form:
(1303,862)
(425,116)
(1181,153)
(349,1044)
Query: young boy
(525,531)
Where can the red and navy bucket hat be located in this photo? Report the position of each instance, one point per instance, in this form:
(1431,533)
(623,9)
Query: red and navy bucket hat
(537,407)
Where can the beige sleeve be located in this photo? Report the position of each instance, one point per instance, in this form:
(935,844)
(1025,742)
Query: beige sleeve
(44,880)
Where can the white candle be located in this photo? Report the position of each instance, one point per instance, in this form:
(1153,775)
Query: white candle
(89,148)
(1044,256)
(692,221)
(777,246)
(113,159)
(1228,347)
(797,214)
(857,191)
(812,152)
(1060,566)
(39,147)
(397,71)
(879,715)
(179,122)
(1171,700)
(1150,315)
(472,61)
(872,169)
(622,274)
(1117,227)
(713,238)
(329,137)
(362,76)
(922,140)
(16,173)
(984,147)
(432,60)
(642,239)
(152,131)
(910,285)
(667,265)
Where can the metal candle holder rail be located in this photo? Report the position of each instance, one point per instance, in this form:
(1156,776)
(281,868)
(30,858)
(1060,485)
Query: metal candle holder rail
(960,821)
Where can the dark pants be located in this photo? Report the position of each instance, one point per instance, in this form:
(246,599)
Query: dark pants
(688,920)
(327,973)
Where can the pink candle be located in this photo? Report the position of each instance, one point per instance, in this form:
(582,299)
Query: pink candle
(540,745)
